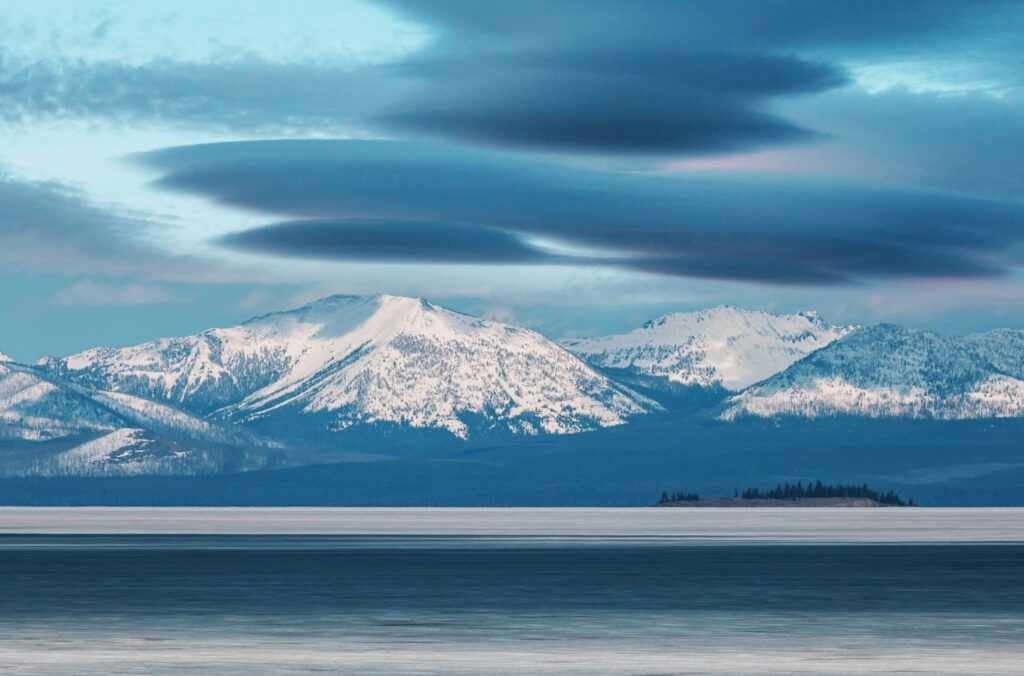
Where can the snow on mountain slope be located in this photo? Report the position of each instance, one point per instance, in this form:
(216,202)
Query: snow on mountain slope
(155,416)
(35,406)
(722,345)
(4,358)
(201,373)
(35,409)
(123,451)
(1003,348)
(355,360)
(891,371)
(406,361)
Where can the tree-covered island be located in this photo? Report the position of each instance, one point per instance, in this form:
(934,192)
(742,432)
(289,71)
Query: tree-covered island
(800,494)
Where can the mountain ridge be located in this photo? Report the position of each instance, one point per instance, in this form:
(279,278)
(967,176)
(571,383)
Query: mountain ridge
(719,346)
(886,370)
(367,360)
(372,375)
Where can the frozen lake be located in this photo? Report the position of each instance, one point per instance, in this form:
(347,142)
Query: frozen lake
(779,525)
(512,591)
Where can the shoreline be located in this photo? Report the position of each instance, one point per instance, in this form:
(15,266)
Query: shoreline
(773,503)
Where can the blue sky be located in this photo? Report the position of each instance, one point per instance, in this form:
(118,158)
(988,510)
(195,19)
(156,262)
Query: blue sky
(578,167)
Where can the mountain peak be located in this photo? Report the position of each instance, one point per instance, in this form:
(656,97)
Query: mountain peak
(328,307)
(716,313)
(5,358)
(347,360)
(723,346)
(335,301)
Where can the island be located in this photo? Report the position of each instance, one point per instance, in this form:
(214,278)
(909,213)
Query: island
(800,494)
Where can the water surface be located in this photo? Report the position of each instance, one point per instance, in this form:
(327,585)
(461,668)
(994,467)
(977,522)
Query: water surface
(580,597)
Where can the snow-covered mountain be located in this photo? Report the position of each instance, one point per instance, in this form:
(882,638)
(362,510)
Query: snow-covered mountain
(4,358)
(1003,348)
(288,387)
(892,371)
(35,405)
(97,432)
(720,346)
(345,361)
(35,408)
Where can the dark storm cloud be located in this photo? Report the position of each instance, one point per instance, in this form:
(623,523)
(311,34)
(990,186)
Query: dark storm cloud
(786,232)
(591,76)
(955,142)
(658,76)
(740,24)
(637,99)
(388,241)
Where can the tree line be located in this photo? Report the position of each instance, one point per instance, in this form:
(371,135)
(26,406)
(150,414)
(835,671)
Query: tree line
(667,497)
(799,490)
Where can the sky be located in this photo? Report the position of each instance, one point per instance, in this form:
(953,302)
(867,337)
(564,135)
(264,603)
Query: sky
(577,167)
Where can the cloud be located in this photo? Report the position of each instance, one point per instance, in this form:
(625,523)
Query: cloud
(662,77)
(500,313)
(256,298)
(647,100)
(651,100)
(583,76)
(240,93)
(797,232)
(863,24)
(387,240)
(47,225)
(956,142)
(88,292)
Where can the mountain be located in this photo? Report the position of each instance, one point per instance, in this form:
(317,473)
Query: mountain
(34,405)
(1003,348)
(348,362)
(892,371)
(135,451)
(4,358)
(48,426)
(35,408)
(328,404)
(720,346)
(125,451)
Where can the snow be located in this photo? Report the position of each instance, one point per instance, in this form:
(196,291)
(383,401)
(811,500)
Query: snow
(723,345)
(1004,348)
(107,447)
(35,406)
(5,358)
(891,371)
(349,361)
(122,451)
(407,361)
(35,409)
(367,360)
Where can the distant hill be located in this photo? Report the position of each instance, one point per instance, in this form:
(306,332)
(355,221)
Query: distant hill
(892,371)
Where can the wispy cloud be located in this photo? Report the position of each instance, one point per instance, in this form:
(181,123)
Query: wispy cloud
(50,226)
(89,292)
